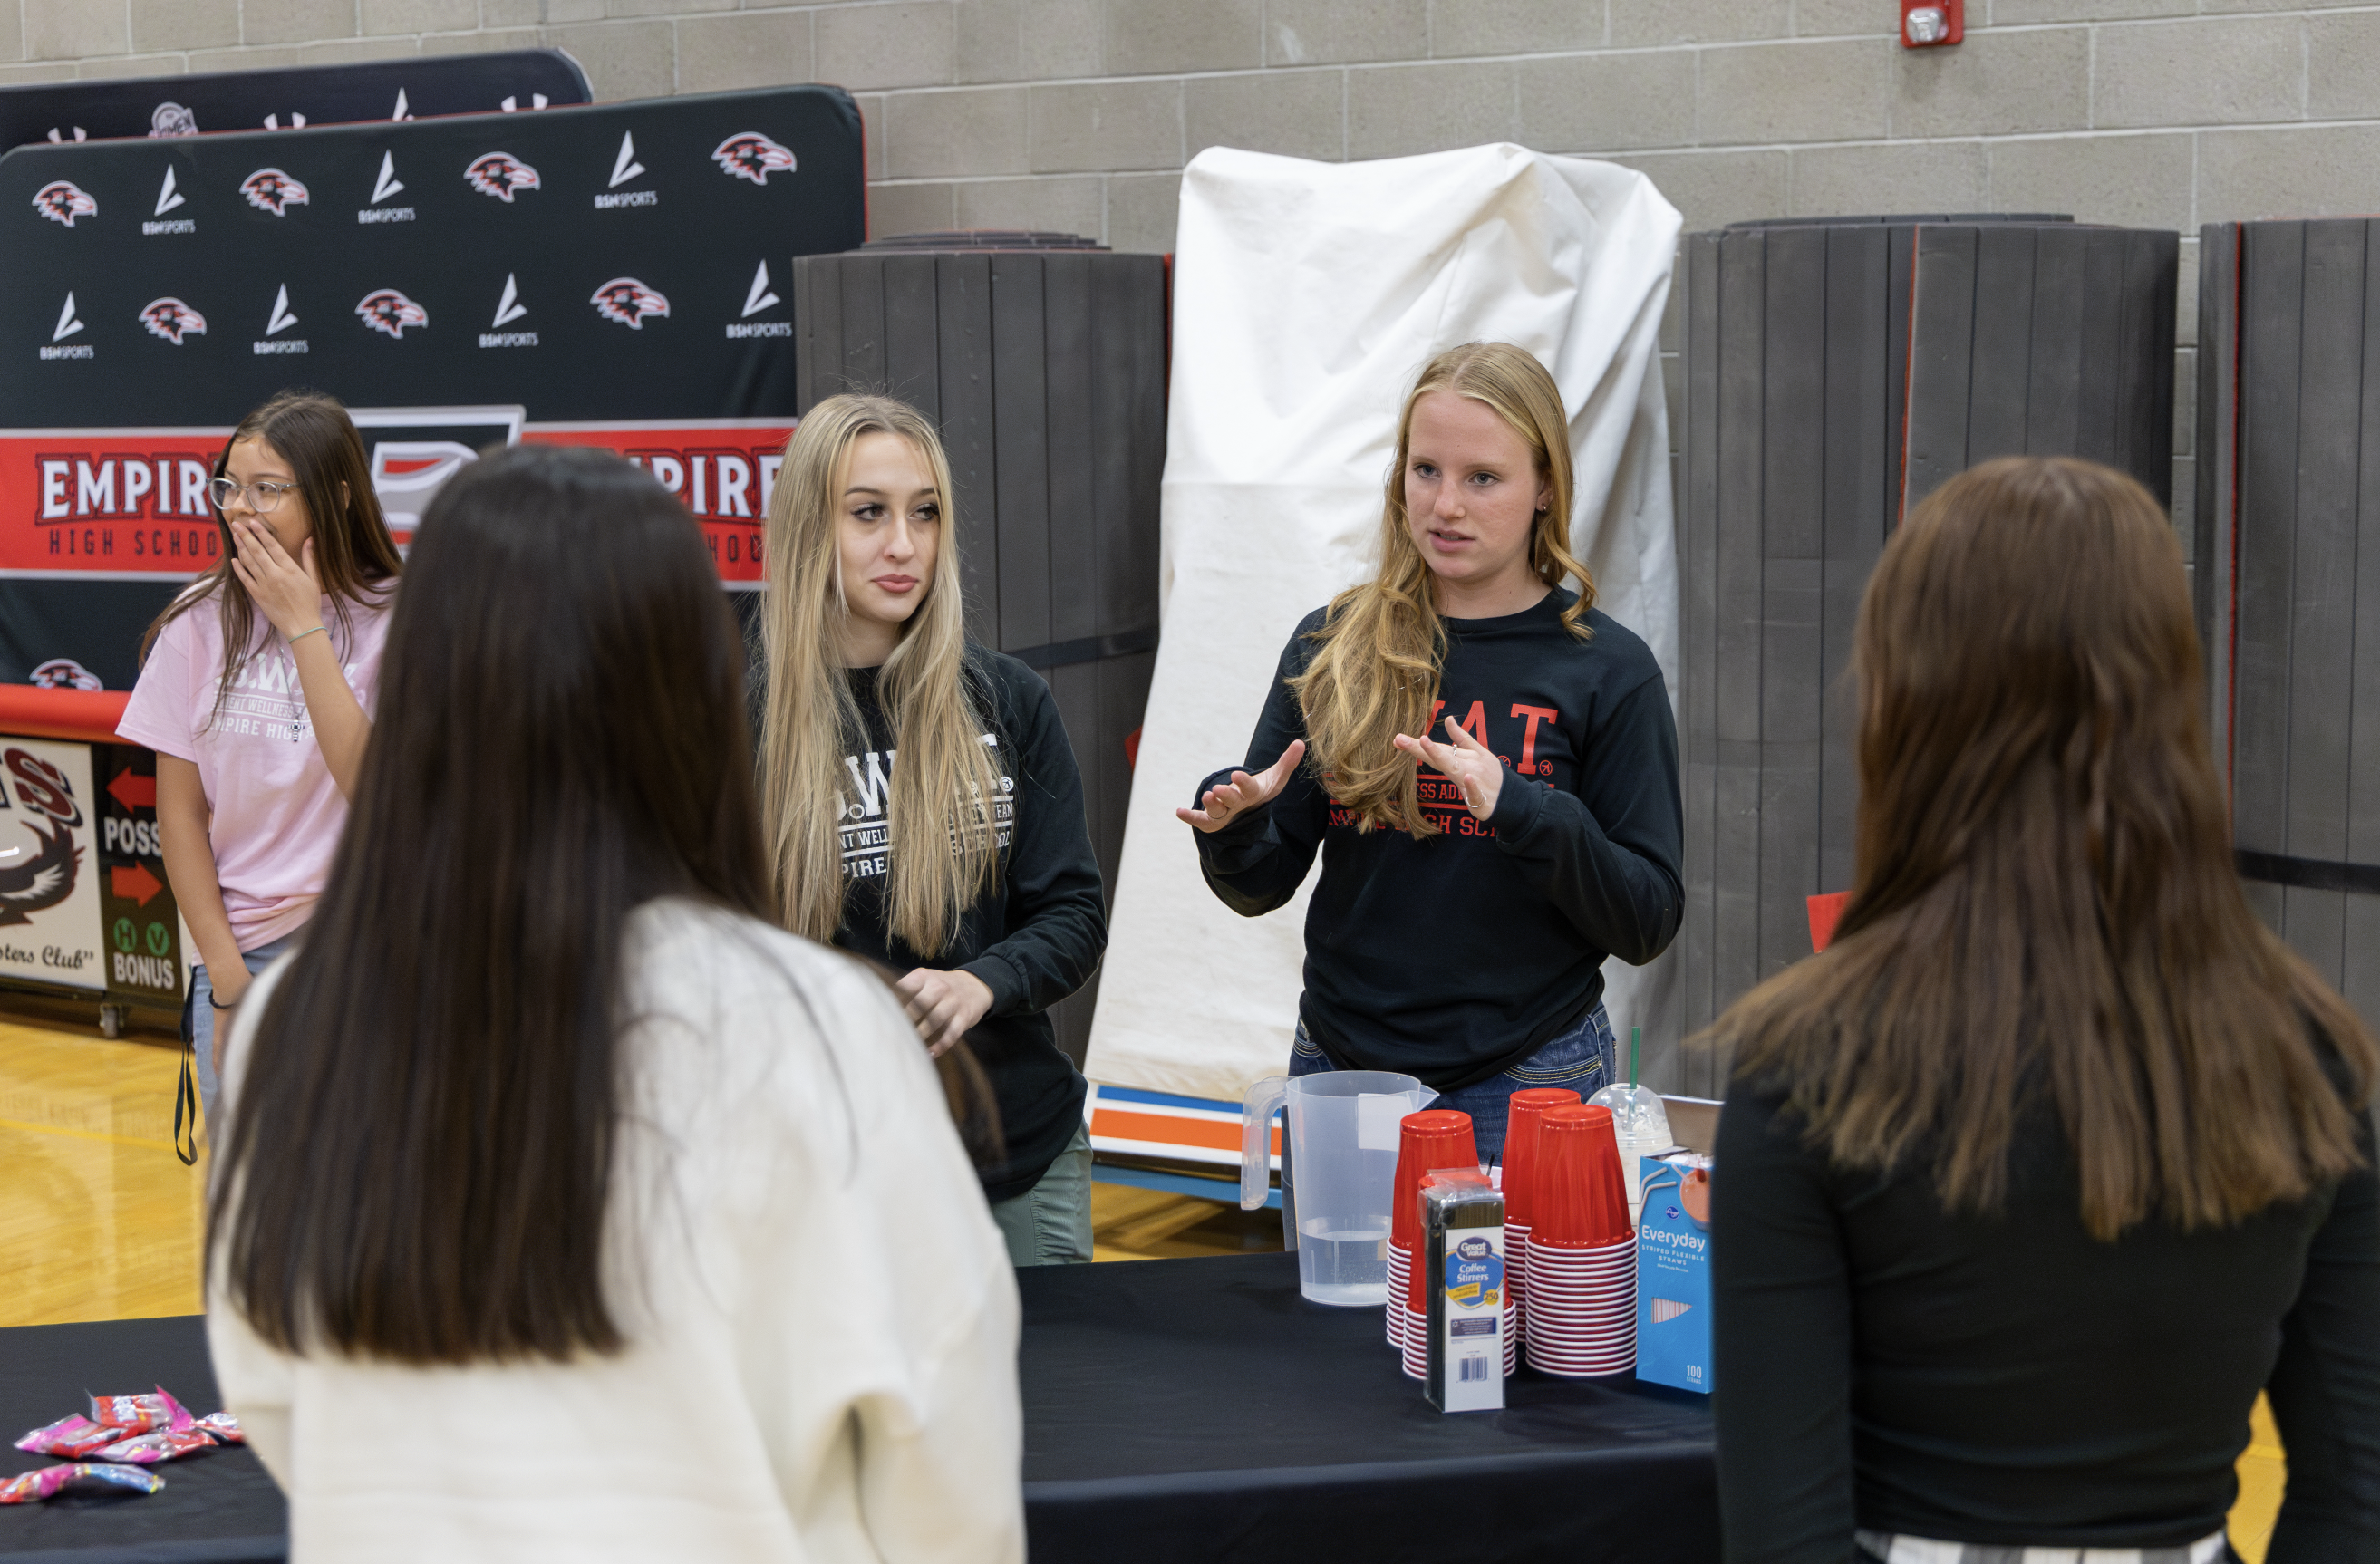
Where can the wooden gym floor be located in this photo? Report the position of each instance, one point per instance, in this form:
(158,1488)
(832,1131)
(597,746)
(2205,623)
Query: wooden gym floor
(100,1221)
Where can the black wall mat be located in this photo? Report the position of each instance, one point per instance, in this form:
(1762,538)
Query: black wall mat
(1837,372)
(2288,598)
(1045,372)
(291,99)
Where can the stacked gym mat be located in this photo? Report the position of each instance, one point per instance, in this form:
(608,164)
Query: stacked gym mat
(1837,372)
(2289,600)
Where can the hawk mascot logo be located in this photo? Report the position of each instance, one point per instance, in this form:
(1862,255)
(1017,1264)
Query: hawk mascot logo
(269,189)
(35,884)
(499,175)
(389,310)
(747,154)
(63,201)
(173,320)
(628,301)
(64,673)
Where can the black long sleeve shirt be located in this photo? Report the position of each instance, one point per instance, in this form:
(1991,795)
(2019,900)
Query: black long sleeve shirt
(1881,1362)
(1454,957)
(1033,939)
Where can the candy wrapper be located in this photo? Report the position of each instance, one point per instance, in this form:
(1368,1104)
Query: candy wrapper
(223,1428)
(165,1444)
(80,1477)
(140,1414)
(72,1437)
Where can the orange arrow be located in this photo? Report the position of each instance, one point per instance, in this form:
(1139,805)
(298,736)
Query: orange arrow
(136,882)
(134,792)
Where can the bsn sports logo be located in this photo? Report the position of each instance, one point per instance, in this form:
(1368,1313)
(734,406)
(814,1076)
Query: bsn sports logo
(63,201)
(173,320)
(628,301)
(499,175)
(64,673)
(385,309)
(31,885)
(269,189)
(747,154)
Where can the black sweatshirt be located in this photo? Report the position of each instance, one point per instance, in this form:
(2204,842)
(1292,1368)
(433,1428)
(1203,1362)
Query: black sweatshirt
(1035,937)
(2010,1380)
(1454,957)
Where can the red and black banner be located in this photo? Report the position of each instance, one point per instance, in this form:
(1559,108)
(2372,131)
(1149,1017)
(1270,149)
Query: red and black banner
(615,276)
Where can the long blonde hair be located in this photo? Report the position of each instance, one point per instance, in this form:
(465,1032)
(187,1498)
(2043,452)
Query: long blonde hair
(942,790)
(1382,646)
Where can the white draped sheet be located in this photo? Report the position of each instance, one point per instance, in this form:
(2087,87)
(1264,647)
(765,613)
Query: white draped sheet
(1306,297)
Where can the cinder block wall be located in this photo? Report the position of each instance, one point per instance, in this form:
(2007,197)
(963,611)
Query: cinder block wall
(1078,114)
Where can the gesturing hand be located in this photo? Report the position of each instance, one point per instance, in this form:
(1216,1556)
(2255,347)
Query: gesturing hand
(1218,805)
(288,591)
(1472,765)
(945,1005)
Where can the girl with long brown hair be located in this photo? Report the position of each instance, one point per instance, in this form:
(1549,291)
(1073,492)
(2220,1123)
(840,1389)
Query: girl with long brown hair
(256,690)
(966,867)
(2056,1156)
(567,1207)
(1464,912)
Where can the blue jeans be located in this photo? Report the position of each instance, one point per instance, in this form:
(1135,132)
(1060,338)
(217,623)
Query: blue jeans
(1585,1059)
(202,1020)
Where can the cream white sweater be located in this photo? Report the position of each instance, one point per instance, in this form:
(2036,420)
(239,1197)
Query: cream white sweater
(821,1318)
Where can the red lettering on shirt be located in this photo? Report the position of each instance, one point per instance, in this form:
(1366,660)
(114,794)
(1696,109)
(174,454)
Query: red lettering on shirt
(1529,738)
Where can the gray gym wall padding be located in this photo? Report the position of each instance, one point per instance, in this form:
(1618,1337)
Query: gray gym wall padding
(1837,372)
(2289,598)
(1044,369)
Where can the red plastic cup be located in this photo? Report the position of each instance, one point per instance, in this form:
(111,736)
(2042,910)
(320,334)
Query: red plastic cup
(1427,1141)
(1521,1149)
(1580,1197)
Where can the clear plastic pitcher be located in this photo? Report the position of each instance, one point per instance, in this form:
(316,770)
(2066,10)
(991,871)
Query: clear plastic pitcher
(1338,1164)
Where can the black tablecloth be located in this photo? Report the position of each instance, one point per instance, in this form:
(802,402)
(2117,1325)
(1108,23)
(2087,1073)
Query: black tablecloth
(1201,1410)
(219,1508)
(1175,1409)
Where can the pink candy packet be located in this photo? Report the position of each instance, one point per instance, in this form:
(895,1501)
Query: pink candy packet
(224,1428)
(72,1437)
(165,1444)
(140,1414)
(80,1477)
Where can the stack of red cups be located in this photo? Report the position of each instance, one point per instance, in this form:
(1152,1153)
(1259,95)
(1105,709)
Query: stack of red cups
(1582,1266)
(1427,1141)
(1520,1160)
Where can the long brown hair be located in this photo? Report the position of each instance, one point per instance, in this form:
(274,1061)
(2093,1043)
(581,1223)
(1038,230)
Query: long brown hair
(353,551)
(1382,646)
(942,853)
(2045,909)
(418,1165)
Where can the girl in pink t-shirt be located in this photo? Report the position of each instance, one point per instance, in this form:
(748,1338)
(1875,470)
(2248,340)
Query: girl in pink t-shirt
(256,692)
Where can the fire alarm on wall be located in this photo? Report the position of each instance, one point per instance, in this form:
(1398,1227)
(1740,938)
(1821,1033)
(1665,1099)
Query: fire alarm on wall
(1930,24)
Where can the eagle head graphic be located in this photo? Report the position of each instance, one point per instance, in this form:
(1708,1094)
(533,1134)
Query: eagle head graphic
(747,154)
(499,175)
(31,885)
(64,673)
(628,301)
(63,201)
(173,320)
(385,309)
(269,189)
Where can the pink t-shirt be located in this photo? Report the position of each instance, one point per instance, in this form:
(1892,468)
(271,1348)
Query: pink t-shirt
(277,811)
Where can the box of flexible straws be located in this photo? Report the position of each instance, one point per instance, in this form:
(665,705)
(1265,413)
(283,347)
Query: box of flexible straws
(1674,1283)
